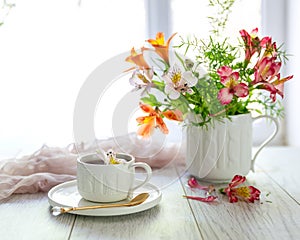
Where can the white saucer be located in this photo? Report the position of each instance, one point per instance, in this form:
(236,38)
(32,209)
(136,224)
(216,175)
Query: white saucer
(66,195)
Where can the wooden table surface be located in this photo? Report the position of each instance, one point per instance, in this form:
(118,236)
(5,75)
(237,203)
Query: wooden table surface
(276,216)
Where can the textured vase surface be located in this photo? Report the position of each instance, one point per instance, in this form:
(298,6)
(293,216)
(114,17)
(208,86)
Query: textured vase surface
(221,151)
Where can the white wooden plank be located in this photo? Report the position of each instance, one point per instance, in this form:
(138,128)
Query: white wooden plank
(27,216)
(171,219)
(277,219)
(283,165)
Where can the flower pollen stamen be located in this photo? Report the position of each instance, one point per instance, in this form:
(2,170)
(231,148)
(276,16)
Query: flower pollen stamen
(176,77)
(243,192)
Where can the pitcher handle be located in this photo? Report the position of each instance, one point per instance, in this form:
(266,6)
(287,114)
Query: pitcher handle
(268,139)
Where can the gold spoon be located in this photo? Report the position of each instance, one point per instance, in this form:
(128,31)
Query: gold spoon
(133,202)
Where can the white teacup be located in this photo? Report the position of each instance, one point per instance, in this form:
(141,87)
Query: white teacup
(98,182)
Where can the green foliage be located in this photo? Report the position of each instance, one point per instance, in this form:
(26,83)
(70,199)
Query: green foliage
(219,20)
(214,54)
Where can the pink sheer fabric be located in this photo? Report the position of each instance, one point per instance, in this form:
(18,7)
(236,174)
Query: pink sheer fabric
(40,171)
(50,166)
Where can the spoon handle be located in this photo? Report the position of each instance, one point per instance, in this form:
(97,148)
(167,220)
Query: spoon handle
(135,201)
(68,209)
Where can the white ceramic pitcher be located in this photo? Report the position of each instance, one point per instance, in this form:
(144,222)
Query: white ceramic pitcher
(218,153)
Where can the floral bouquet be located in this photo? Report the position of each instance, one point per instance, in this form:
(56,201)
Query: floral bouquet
(221,80)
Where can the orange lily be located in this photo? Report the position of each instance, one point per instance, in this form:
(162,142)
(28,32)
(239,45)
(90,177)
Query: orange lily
(137,59)
(173,115)
(154,120)
(161,47)
(148,123)
(147,126)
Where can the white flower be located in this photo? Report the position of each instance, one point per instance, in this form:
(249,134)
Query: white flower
(142,79)
(178,82)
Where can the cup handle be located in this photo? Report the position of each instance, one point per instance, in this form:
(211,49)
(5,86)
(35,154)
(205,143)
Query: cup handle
(268,139)
(148,170)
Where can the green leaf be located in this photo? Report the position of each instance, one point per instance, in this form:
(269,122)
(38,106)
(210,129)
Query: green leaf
(151,100)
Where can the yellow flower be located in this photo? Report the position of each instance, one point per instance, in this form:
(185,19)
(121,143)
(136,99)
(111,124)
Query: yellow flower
(161,47)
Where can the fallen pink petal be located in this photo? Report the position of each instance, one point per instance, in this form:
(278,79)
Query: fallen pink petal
(202,199)
(194,184)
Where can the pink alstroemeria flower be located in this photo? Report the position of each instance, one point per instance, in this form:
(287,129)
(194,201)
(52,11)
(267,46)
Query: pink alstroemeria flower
(267,68)
(246,193)
(270,47)
(252,43)
(232,87)
(267,77)
(275,87)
